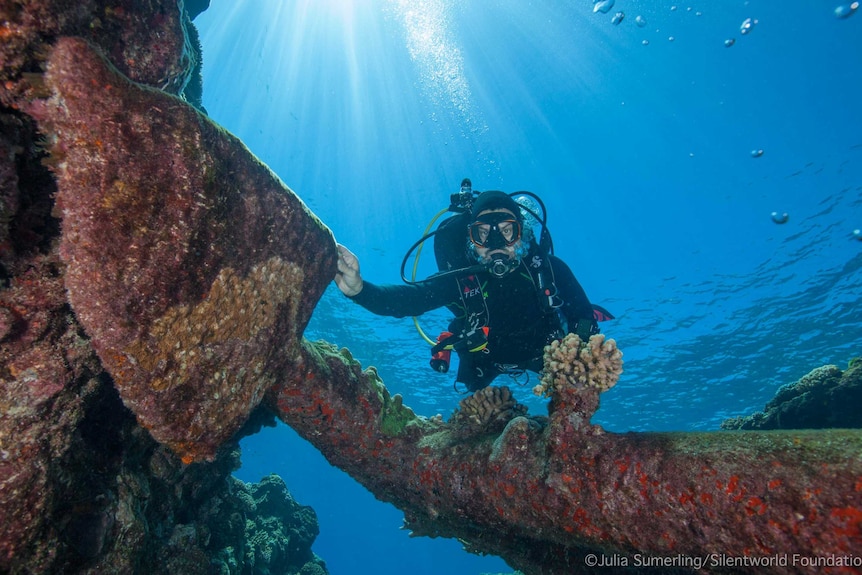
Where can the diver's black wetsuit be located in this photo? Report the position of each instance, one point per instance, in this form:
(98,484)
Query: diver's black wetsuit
(520,321)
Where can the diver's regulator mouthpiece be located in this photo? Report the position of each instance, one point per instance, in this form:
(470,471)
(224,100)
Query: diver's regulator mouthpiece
(501,265)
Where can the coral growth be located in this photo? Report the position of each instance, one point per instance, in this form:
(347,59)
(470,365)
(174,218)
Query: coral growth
(83,487)
(278,532)
(824,398)
(545,496)
(188,261)
(145,40)
(571,363)
(489,407)
(191,271)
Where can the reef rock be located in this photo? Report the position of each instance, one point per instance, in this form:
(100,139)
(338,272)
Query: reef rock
(824,398)
(83,487)
(191,266)
(146,40)
(278,531)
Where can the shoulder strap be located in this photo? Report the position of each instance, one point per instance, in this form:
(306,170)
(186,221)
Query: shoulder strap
(473,301)
(539,264)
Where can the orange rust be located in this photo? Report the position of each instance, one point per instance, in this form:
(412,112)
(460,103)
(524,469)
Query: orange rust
(775,483)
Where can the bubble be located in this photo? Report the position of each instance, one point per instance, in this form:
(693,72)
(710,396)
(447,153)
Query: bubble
(618,17)
(729,42)
(640,21)
(857,233)
(756,153)
(670,38)
(645,42)
(603,6)
(673,8)
(747,25)
(780,218)
(846,10)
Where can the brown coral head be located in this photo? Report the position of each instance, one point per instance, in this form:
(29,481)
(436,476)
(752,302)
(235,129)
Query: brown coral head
(488,406)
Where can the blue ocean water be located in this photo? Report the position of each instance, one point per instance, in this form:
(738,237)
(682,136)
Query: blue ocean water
(661,146)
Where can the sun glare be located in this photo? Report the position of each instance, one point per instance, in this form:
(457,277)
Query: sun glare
(429,41)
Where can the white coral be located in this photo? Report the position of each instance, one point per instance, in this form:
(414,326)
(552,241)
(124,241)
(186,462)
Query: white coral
(572,363)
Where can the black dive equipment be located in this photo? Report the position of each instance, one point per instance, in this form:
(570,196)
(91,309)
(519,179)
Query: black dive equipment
(450,246)
(454,257)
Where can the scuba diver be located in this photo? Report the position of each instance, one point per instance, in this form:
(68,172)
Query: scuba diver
(510,296)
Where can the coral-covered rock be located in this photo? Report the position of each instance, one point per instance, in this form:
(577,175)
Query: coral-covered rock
(824,398)
(544,496)
(278,531)
(189,263)
(145,39)
(83,488)
(44,365)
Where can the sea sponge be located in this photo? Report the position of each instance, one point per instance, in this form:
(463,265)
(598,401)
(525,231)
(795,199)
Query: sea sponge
(487,406)
(572,363)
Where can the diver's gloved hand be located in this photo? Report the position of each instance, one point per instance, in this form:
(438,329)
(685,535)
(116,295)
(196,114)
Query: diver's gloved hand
(348,278)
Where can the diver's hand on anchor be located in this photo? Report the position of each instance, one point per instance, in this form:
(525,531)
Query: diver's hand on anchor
(348,278)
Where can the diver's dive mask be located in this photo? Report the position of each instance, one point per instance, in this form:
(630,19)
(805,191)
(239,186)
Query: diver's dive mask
(495,231)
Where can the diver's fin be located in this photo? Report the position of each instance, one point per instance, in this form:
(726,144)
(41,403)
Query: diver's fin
(601,314)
